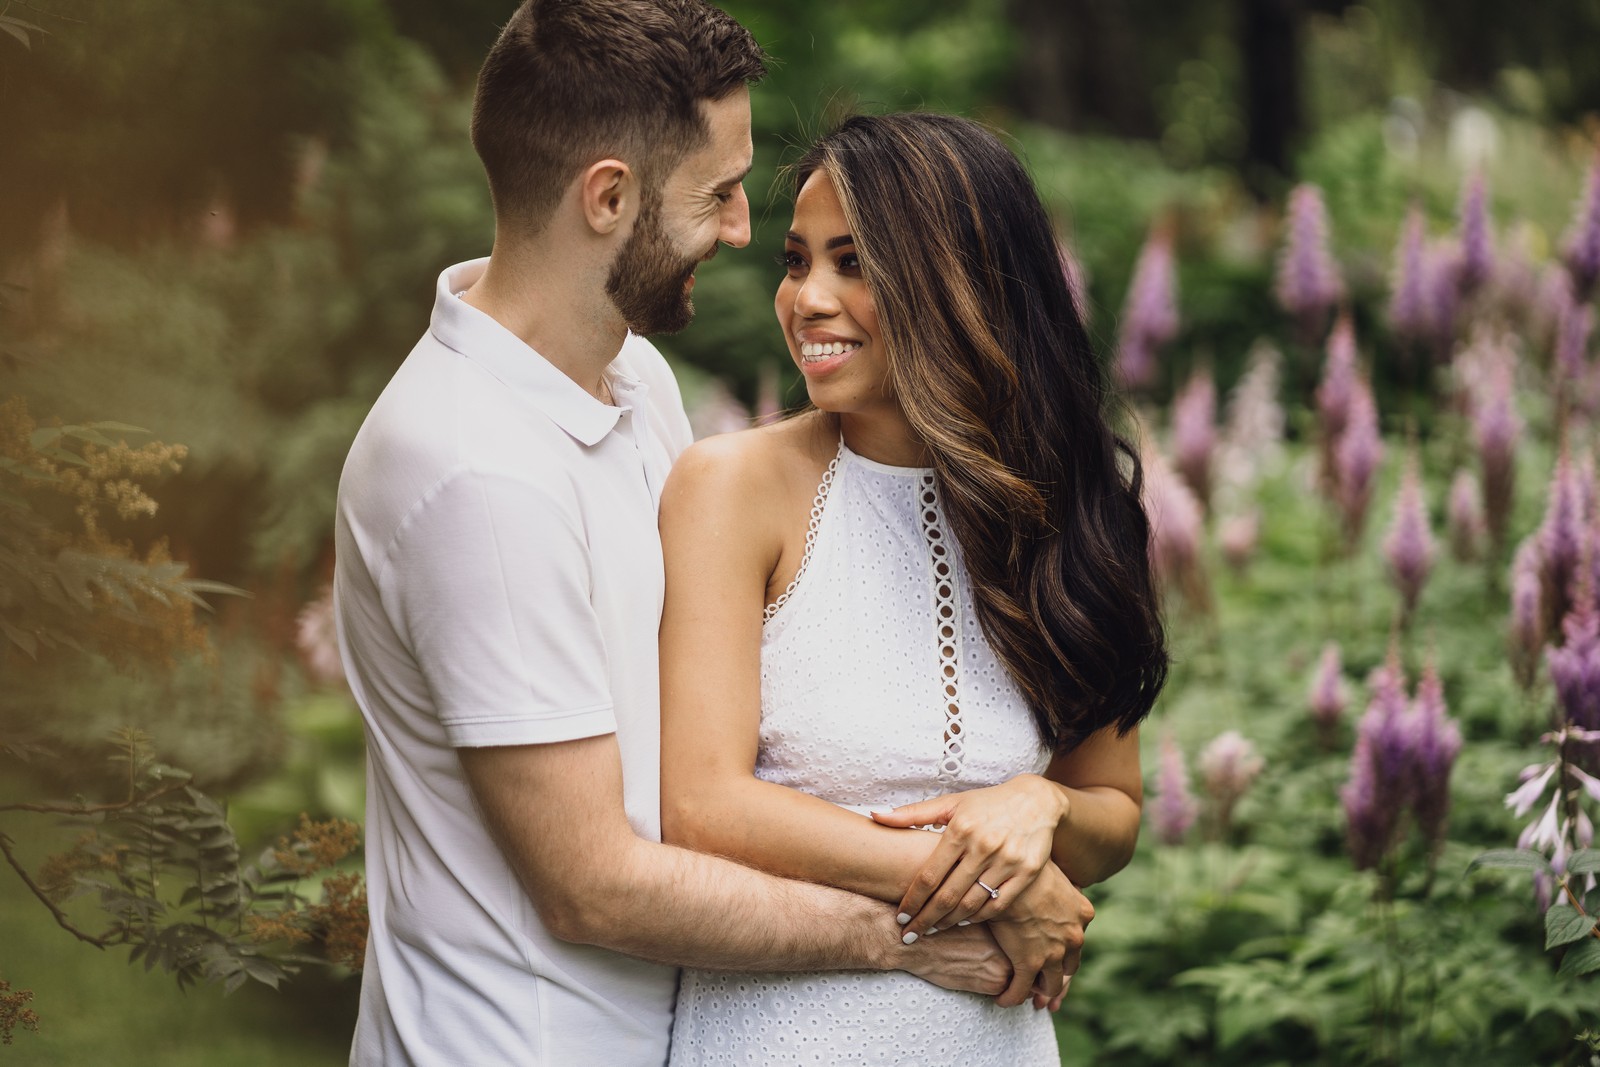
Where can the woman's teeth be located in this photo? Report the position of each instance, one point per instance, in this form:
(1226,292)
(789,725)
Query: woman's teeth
(812,353)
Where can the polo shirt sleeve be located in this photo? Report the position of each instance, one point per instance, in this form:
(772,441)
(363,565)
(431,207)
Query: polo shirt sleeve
(489,582)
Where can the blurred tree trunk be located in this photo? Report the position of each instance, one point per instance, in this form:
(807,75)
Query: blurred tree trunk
(1079,67)
(1269,39)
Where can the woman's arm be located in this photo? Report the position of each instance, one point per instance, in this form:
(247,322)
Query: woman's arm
(724,512)
(1083,813)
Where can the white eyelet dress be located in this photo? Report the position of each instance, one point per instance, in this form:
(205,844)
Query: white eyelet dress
(877,689)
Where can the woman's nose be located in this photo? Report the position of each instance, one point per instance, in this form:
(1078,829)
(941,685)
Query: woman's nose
(816,298)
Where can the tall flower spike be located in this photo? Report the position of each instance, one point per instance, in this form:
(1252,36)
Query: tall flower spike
(1356,458)
(1307,284)
(1194,432)
(1174,808)
(1498,431)
(1581,252)
(1575,672)
(1176,525)
(317,642)
(1150,313)
(1442,266)
(1228,765)
(1525,634)
(1409,304)
(1561,540)
(1571,358)
(1435,743)
(1409,547)
(1378,787)
(1339,376)
(1328,697)
(1239,536)
(1477,242)
(1252,437)
(1516,282)
(1465,518)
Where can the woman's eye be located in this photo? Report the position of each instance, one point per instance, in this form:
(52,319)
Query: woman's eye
(849,261)
(791,261)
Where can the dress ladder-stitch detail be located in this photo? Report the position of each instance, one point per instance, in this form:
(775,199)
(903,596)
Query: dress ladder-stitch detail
(817,504)
(947,627)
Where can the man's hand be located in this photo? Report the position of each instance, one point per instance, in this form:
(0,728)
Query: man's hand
(1042,935)
(966,959)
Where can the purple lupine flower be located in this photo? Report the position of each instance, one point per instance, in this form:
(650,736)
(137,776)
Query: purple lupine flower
(1328,696)
(1150,313)
(1356,458)
(1174,808)
(1073,270)
(1410,314)
(1465,518)
(1575,668)
(1561,540)
(1515,281)
(1552,298)
(1571,359)
(1409,547)
(1498,430)
(1435,743)
(1228,765)
(1252,435)
(1375,794)
(1526,632)
(1442,266)
(317,641)
(1238,536)
(1581,251)
(1307,284)
(1194,432)
(1176,524)
(1477,242)
(1339,374)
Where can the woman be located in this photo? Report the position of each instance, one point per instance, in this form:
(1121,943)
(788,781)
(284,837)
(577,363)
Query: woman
(924,592)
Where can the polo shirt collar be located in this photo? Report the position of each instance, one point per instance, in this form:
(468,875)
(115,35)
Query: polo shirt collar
(470,332)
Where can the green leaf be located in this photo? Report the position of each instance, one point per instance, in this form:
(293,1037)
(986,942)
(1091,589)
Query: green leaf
(1581,959)
(117,427)
(1584,861)
(1564,924)
(23,640)
(1510,859)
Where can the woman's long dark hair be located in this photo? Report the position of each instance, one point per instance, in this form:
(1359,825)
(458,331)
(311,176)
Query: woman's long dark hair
(991,364)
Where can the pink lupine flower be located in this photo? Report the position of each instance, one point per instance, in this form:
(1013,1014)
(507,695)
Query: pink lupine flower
(1410,314)
(1150,313)
(1374,796)
(1228,765)
(318,642)
(1328,696)
(1239,536)
(1252,436)
(1581,251)
(1174,808)
(1435,743)
(1356,459)
(1409,547)
(1515,280)
(1561,540)
(1339,374)
(1575,673)
(1477,242)
(1176,525)
(1465,518)
(1498,431)
(1194,432)
(1552,298)
(1571,359)
(769,406)
(1527,628)
(1307,284)
(1442,267)
(715,410)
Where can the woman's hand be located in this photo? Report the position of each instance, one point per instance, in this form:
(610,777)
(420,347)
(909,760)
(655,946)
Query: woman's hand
(1042,935)
(1000,836)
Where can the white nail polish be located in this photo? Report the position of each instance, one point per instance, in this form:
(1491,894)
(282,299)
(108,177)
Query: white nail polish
(909,939)
(902,918)
(932,930)
(964,922)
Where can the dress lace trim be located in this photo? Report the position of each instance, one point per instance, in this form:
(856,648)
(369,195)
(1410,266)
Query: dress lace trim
(817,504)
(947,627)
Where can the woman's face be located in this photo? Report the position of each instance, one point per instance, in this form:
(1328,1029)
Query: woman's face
(825,310)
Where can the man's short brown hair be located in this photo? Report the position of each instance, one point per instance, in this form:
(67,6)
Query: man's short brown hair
(572,81)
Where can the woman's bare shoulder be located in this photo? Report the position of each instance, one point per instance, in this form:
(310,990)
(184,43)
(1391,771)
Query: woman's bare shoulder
(761,465)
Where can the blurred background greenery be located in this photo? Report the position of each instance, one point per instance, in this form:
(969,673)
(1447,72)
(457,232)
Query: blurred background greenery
(222,223)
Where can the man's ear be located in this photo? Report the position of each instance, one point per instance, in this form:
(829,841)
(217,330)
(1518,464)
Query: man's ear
(608,192)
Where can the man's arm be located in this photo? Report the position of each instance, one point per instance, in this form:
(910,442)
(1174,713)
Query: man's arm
(556,811)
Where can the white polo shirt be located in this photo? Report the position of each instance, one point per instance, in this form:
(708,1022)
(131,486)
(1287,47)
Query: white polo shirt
(499,582)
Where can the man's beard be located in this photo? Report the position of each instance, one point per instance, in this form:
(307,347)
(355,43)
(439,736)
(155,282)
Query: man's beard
(648,282)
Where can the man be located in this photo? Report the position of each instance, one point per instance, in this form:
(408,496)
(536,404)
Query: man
(499,581)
